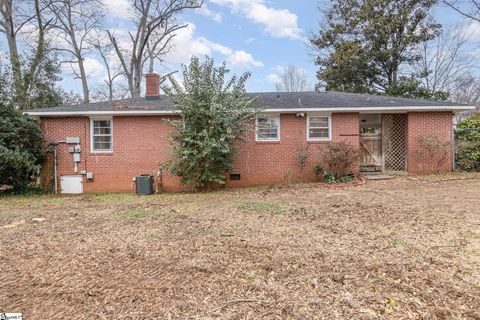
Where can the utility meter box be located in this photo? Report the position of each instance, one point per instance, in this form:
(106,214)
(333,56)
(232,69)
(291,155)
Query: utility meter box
(76,157)
(89,176)
(73,140)
(78,148)
(71,184)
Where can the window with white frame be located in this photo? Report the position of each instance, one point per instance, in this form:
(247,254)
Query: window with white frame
(101,135)
(268,128)
(318,127)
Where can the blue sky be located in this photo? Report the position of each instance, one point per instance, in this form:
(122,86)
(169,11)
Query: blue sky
(260,36)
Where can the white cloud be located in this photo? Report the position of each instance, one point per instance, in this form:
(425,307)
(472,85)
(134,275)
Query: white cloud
(472,31)
(118,8)
(279,69)
(206,12)
(242,59)
(280,23)
(186,45)
(93,68)
(274,78)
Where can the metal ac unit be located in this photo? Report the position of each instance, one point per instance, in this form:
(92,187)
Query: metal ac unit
(144,184)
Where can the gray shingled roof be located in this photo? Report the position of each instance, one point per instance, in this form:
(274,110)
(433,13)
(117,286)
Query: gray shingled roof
(267,100)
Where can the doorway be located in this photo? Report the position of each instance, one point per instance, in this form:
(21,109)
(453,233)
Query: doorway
(371,143)
(383,143)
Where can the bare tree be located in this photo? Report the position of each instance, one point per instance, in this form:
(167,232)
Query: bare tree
(15,17)
(292,80)
(467,8)
(156,25)
(77,20)
(9,28)
(110,90)
(466,89)
(444,60)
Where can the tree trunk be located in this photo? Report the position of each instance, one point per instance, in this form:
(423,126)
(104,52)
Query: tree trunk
(13,50)
(78,55)
(83,77)
(138,80)
(394,77)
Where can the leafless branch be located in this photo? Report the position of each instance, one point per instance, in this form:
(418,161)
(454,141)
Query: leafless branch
(156,26)
(292,79)
(77,21)
(468,8)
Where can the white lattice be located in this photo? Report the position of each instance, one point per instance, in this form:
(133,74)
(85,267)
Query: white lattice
(394,141)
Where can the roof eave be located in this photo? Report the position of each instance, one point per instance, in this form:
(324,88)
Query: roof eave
(277,110)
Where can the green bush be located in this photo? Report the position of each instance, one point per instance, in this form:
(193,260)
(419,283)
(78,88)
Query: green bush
(215,114)
(467,150)
(338,159)
(21,149)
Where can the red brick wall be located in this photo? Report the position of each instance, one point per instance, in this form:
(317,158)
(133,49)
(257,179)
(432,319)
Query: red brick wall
(438,124)
(141,143)
(152,86)
(277,162)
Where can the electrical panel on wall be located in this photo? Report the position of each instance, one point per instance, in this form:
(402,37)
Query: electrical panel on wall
(73,140)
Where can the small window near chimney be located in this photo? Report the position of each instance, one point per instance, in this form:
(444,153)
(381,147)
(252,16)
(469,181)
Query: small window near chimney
(235,176)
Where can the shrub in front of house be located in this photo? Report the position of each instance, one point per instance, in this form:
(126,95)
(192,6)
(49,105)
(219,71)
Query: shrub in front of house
(215,114)
(338,160)
(21,150)
(467,145)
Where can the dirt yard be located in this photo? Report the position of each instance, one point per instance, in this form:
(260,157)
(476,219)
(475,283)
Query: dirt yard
(399,249)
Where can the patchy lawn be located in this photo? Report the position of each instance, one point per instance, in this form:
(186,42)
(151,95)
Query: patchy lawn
(400,249)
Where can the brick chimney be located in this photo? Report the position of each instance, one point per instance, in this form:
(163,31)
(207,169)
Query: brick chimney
(152,86)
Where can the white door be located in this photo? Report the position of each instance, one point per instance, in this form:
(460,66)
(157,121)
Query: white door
(71,184)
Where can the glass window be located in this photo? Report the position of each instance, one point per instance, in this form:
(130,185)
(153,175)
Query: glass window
(101,135)
(268,128)
(318,128)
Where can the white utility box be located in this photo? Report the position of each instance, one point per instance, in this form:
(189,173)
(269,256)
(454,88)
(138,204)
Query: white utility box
(71,184)
(73,140)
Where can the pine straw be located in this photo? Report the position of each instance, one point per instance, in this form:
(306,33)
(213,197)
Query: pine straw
(397,249)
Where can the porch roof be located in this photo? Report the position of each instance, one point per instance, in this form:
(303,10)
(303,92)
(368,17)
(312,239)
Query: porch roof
(285,102)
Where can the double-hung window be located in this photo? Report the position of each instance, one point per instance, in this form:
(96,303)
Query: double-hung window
(268,128)
(101,135)
(319,128)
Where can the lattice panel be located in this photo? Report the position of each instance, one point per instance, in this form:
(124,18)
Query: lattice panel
(394,141)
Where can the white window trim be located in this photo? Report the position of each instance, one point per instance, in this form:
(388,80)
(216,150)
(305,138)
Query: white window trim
(329,127)
(92,150)
(277,116)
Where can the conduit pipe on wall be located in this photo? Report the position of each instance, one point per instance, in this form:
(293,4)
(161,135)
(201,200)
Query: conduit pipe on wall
(55,164)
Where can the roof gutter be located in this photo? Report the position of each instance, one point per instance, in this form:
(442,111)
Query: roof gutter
(277,110)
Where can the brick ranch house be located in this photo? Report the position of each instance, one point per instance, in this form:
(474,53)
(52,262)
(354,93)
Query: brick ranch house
(102,146)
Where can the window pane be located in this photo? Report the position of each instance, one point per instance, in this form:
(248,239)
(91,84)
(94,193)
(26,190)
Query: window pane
(102,139)
(319,122)
(101,123)
(102,131)
(102,135)
(318,133)
(101,146)
(267,128)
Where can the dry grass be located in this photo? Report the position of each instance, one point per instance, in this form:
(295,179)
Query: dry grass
(400,249)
